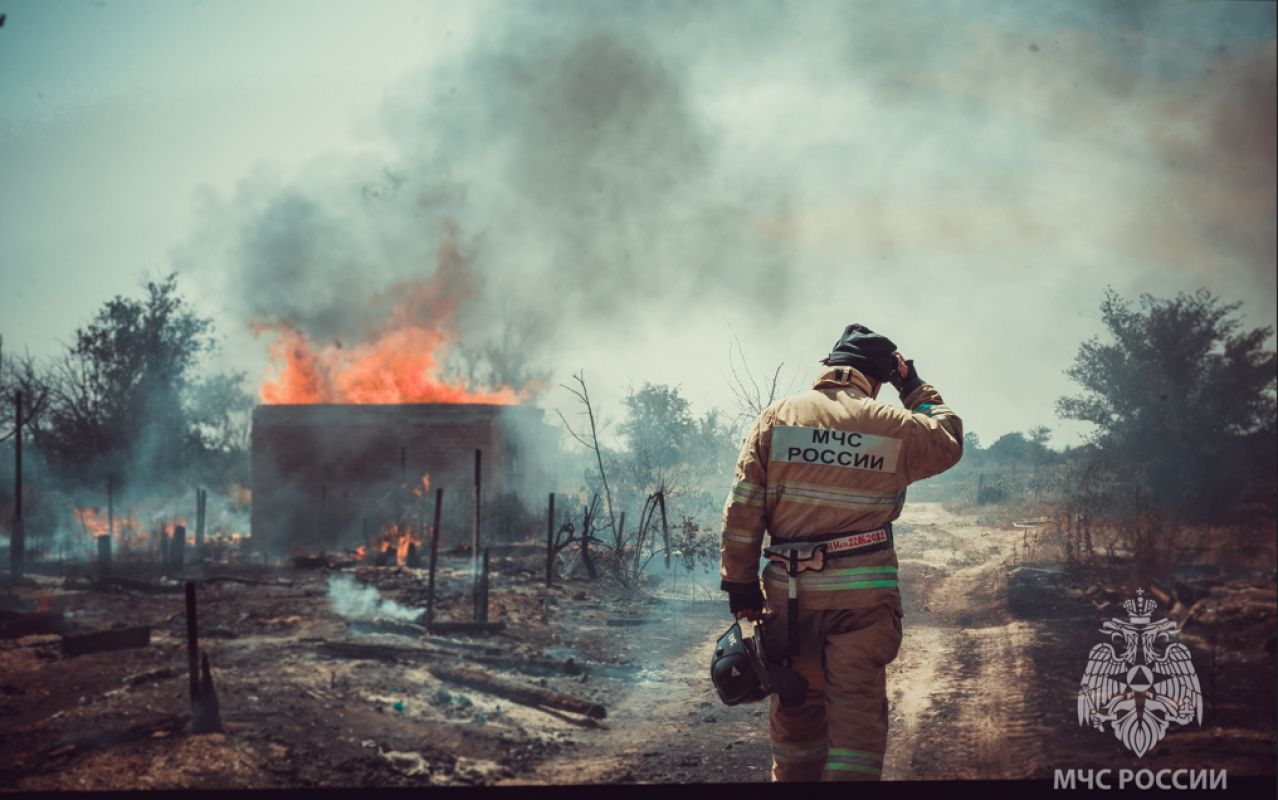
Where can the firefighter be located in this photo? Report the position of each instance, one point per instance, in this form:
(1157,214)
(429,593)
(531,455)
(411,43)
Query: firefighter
(824,472)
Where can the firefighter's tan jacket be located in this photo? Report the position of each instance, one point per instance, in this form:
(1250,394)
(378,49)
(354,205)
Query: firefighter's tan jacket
(826,461)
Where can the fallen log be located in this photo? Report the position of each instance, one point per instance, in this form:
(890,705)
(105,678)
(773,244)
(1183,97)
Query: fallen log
(383,652)
(33,625)
(627,623)
(528,666)
(249,581)
(467,627)
(524,695)
(100,641)
(387,626)
(145,587)
(169,725)
(142,678)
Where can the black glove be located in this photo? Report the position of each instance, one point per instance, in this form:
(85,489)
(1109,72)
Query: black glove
(744,596)
(907,384)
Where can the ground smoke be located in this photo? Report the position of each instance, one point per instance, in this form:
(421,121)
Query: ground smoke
(353,600)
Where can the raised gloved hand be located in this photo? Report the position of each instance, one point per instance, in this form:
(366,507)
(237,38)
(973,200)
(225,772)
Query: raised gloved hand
(904,377)
(745,600)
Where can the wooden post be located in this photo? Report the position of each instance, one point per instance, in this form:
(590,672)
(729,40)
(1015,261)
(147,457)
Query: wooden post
(665,529)
(434,557)
(18,539)
(192,646)
(474,553)
(201,498)
(481,593)
(163,540)
(177,556)
(110,509)
(550,541)
(104,556)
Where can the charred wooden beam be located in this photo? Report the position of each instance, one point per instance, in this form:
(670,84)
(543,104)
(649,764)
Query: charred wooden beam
(665,526)
(433,650)
(141,586)
(206,715)
(534,696)
(33,625)
(474,551)
(151,676)
(192,643)
(201,503)
(110,509)
(481,591)
(387,626)
(104,557)
(467,627)
(99,641)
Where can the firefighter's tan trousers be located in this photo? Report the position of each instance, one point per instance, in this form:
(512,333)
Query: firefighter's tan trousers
(840,732)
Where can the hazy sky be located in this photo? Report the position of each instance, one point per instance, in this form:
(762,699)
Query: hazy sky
(637,181)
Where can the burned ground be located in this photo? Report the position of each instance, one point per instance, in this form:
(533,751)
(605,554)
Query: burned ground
(984,686)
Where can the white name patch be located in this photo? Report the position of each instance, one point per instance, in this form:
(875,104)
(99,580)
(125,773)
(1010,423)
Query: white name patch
(831,448)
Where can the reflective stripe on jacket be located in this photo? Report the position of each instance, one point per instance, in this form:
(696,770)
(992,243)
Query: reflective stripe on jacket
(829,460)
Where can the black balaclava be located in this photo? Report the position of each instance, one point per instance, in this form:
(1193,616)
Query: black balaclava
(863,349)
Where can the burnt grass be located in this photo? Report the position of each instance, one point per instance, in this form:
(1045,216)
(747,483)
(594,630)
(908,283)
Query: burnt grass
(294,716)
(1227,621)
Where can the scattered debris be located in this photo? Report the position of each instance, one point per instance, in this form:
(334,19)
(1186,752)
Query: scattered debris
(100,641)
(525,695)
(32,625)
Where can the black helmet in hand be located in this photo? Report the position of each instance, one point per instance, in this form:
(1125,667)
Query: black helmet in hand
(742,672)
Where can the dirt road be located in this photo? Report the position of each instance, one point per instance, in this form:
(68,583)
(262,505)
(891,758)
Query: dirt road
(671,727)
(984,686)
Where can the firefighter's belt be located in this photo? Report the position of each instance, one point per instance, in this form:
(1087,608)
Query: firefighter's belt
(810,554)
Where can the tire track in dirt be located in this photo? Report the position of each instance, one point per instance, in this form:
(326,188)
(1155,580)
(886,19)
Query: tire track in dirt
(959,687)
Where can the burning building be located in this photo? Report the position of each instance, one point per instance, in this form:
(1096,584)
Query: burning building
(328,476)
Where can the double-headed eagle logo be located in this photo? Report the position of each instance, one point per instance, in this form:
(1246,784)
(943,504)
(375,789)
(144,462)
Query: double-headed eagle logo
(1140,690)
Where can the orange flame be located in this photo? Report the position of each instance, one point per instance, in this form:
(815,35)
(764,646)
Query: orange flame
(424,489)
(398,363)
(96,525)
(397,539)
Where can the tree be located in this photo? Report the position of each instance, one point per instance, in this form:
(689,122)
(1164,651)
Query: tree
(658,429)
(20,374)
(125,398)
(1183,402)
